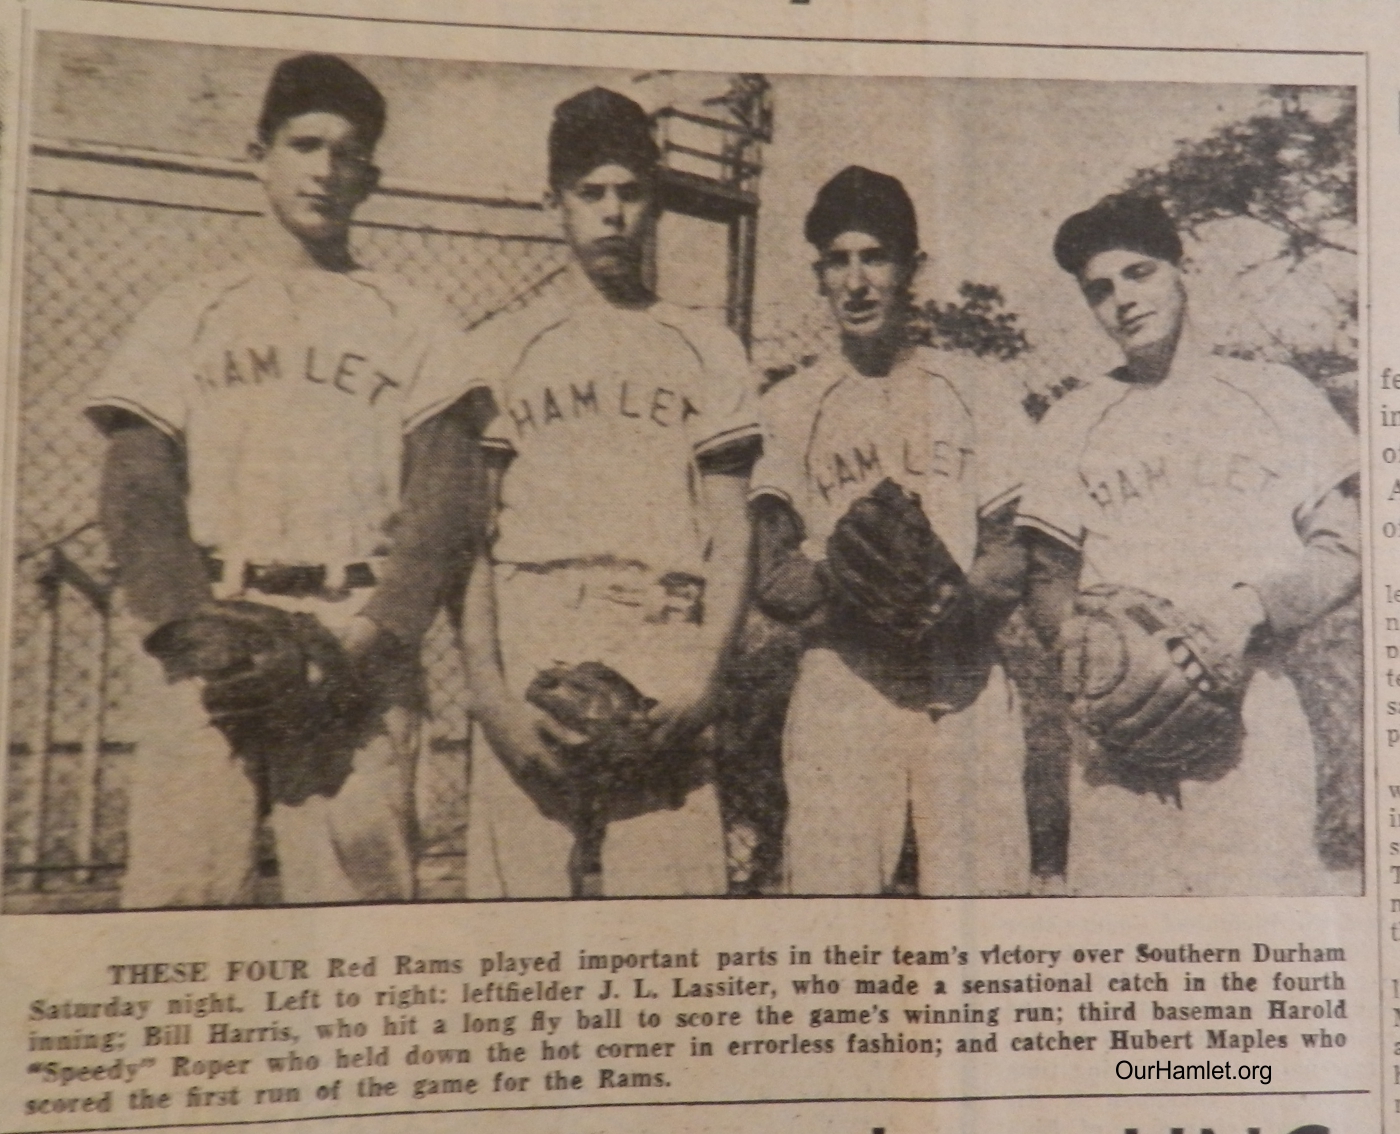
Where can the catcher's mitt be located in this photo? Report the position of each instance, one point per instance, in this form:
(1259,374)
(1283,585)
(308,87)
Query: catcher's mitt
(1158,690)
(271,677)
(888,569)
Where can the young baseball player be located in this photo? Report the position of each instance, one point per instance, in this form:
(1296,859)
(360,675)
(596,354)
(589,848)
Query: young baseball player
(621,445)
(883,734)
(1227,488)
(256,424)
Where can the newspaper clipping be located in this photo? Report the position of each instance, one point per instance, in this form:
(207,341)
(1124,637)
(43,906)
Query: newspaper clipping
(757,568)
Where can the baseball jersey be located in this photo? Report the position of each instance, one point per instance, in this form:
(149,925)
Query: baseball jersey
(1189,486)
(290,390)
(943,426)
(604,412)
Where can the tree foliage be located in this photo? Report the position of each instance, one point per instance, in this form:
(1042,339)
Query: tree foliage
(1291,166)
(979,324)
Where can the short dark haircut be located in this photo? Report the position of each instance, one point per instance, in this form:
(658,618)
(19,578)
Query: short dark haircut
(600,127)
(860,200)
(1130,221)
(307,83)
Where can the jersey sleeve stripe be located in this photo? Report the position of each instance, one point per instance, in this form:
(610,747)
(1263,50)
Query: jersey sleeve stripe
(760,490)
(1054,532)
(114,401)
(432,409)
(739,434)
(1001,499)
(1320,493)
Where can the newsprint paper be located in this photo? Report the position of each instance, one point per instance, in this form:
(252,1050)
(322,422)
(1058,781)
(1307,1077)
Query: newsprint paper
(625,567)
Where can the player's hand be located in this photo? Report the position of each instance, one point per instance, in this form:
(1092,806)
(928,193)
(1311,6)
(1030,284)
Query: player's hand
(680,719)
(1238,616)
(361,636)
(374,652)
(525,739)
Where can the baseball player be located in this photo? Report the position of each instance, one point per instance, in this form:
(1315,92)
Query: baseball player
(1213,486)
(883,732)
(257,455)
(621,447)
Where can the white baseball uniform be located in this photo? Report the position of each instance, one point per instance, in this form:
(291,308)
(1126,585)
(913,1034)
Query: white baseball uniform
(602,555)
(1185,489)
(855,758)
(289,390)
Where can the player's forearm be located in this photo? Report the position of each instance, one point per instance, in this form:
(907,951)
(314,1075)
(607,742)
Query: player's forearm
(444,486)
(482,663)
(480,642)
(997,577)
(1052,580)
(1325,572)
(141,508)
(729,573)
(787,586)
(502,716)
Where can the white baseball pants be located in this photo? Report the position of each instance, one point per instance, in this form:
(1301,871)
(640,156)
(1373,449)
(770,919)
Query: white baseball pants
(856,764)
(573,615)
(193,812)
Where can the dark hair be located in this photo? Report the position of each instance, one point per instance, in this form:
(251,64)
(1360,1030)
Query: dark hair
(1123,220)
(308,83)
(597,127)
(861,200)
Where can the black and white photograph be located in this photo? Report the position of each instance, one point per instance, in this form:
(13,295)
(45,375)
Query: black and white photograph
(442,481)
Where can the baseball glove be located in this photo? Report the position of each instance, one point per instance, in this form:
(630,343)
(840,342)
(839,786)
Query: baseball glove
(888,569)
(616,772)
(1157,689)
(618,763)
(898,595)
(271,677)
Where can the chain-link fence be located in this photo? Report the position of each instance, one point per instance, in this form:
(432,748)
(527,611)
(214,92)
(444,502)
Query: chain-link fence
(94,258)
